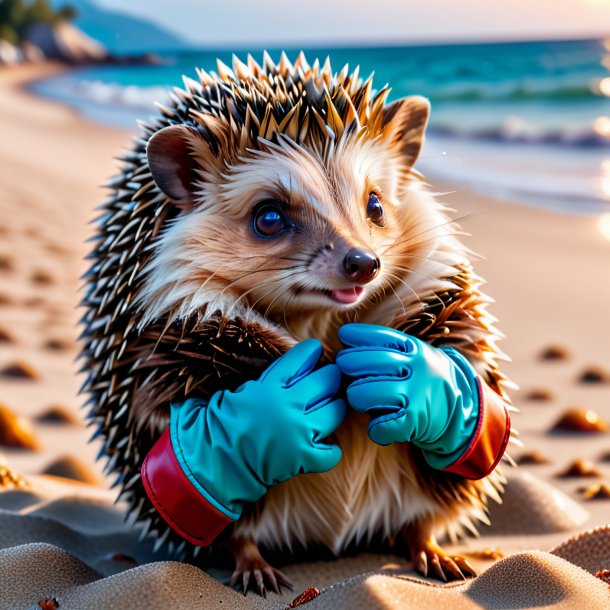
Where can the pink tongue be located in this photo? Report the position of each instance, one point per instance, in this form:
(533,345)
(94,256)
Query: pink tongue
(347,295)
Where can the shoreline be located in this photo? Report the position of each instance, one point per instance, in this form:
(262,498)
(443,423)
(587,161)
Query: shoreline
(538,175)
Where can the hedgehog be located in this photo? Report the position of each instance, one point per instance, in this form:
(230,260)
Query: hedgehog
(183,299)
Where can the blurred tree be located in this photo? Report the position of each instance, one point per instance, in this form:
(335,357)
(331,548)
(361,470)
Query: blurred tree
(16,16)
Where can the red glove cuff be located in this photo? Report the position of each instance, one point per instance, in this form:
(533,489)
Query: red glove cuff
(186,511)
(490,438)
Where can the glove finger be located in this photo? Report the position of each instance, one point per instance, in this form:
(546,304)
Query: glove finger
(319,386)
(294,364)
(372,392)
(390,428)
(322,459)
(358,335)
(326,418)
(373,361)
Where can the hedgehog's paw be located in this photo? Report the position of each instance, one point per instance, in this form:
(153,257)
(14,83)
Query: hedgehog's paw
(252,571)
(430,559)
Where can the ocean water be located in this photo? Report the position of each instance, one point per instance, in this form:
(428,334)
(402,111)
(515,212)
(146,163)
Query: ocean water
(523,121)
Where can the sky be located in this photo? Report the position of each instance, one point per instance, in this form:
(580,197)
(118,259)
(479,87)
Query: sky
(365,22)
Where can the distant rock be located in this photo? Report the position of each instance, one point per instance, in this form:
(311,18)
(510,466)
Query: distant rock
(31,53)
(64,42)
(67,43)
(9,53)
(121,32)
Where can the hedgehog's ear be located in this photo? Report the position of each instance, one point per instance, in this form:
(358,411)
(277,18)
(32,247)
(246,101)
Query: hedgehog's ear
(174,154)
(404,124)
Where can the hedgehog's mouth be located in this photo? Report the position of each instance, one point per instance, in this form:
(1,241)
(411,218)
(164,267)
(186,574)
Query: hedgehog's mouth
(345,296)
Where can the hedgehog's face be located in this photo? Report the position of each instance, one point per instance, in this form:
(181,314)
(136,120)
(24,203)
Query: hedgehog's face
(285,227)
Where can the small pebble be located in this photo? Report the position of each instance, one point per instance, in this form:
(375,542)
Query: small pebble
(6,263)
(554,352)
(48,603)
(594,374)
(599,491)
(580,468)
(56,345)
(6,337)
(16,431)
(576,419)
(19,370)
(34,302)
(43,278)
(533,457)
(539,395)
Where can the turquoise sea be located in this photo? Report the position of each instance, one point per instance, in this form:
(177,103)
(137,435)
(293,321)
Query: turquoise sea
(526,121)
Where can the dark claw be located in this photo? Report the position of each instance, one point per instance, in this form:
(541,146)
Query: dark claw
(437,568)
(258,577)
(421,563)
(452,571)
(465,566)
(245,579)
(271,579)
(283,579)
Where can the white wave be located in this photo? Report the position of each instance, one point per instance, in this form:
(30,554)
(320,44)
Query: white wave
(130,96)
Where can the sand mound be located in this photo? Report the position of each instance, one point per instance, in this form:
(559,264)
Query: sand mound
(160,585)
(533,506)
(534,579)
(588,550)
(524,580)
(32,571)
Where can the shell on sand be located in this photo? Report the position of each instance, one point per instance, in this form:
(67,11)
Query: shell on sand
(599,491)
(19,370)
(533,506)
(594,374)
(532,457)
(580,468)
(6,337)
(539,395)
(554,352)
(70,467)
(16,431)
(56,414)
(577,419)
(589,550)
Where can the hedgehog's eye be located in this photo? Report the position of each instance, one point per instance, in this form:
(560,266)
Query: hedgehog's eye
(269,220)
(374,210)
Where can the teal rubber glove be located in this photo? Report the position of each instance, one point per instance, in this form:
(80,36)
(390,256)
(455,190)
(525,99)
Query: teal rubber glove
(413,392)
(266,432)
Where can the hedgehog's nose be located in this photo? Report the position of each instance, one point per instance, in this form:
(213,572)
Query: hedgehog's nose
(360,265)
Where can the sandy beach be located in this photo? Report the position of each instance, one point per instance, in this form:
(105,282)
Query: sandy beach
(550,277)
